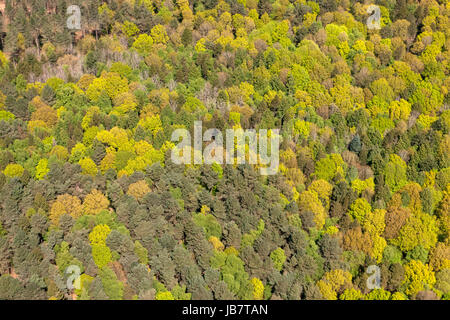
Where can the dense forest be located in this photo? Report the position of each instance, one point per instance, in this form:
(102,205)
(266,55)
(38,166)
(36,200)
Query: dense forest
(88,191)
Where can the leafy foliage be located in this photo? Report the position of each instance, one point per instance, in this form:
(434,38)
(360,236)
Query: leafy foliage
(86,176)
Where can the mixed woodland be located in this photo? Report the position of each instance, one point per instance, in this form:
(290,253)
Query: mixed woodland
(88,188)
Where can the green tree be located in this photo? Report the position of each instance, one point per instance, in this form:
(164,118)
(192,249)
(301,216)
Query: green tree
(278,258)
(395,173)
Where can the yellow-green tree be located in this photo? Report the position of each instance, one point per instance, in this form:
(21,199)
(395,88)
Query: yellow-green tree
(418,277)
(309,201)
(328,167)
(100,252)
(333,283)
(88,166)
(42,169)
(351,294)
(258,289)
(13,170)
(360,209)
(99,234)
(395,173)
(399,110)
(143,44)
(418,230)
(159,34)
(278,258)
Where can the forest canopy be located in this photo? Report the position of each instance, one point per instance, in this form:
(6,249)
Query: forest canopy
(88,190)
